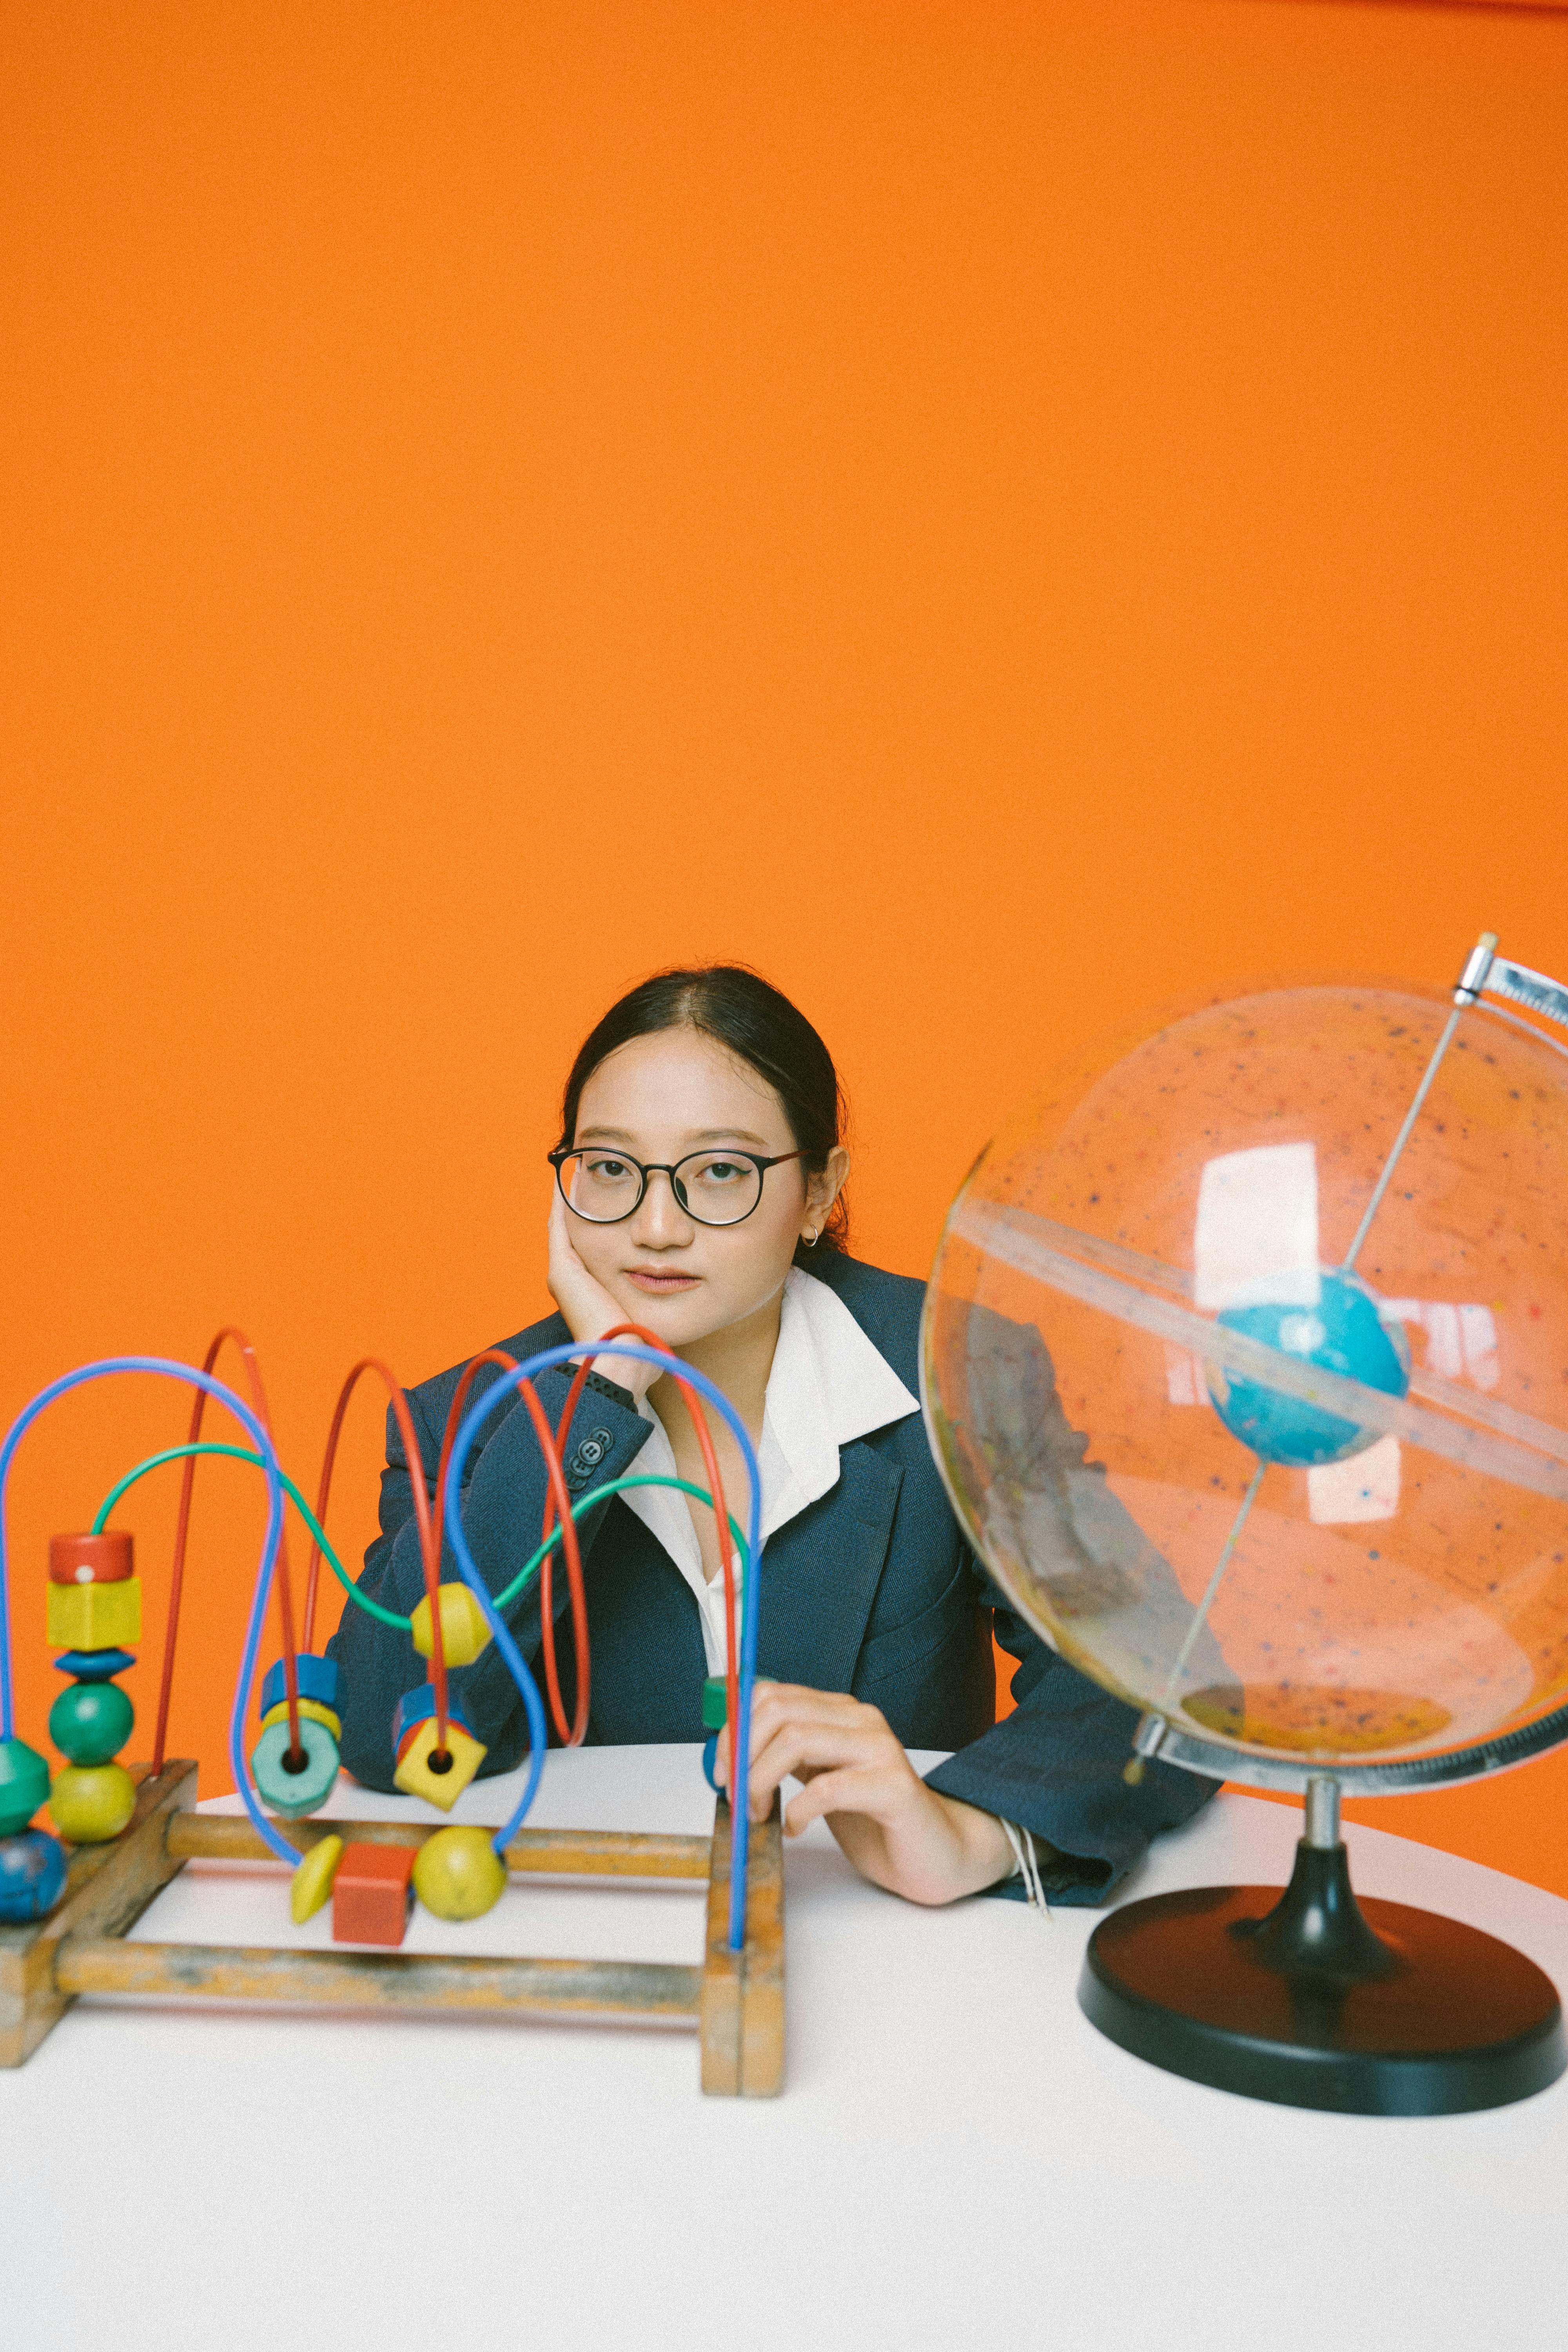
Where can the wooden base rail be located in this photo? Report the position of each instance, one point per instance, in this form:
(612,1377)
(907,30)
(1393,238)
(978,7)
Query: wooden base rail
(390,1981)
(735,1999)
(566,1854)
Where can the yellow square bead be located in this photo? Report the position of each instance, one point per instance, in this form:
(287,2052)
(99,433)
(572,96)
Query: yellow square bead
(95,1616)
(464,1630)
(415,1777)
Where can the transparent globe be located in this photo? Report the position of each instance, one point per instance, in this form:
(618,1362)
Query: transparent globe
(1247,1363)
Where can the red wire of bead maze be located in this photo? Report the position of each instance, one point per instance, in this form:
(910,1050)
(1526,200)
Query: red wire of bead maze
(429,1535)
(550,1443)
(695,1407)
(557,1502)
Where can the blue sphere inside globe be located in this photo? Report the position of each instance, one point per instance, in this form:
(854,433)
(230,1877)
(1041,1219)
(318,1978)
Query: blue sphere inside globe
(32,1875)
(1344,1332)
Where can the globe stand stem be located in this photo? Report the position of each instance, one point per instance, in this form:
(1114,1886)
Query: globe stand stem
(1303,1997)
(1316,1933)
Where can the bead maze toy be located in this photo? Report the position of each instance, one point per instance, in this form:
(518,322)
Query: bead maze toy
(121,1832)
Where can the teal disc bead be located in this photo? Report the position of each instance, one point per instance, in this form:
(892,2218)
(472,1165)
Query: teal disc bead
(24,1785)
(295,1792)
(90,1722)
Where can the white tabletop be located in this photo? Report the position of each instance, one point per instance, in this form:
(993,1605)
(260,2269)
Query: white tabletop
(958,2158)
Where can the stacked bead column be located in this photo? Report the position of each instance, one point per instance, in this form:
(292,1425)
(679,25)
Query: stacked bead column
(94,1613)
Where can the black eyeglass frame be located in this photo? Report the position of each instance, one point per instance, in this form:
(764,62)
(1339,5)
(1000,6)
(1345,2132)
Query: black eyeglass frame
(559,1158)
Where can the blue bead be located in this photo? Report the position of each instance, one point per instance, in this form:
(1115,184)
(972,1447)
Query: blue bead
(317,1680)
(94,1665)
(710,1754)
(1342,1333)
(416,1704)
(32,1875)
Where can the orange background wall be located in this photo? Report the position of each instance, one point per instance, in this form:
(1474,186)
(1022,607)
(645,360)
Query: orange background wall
(996,513)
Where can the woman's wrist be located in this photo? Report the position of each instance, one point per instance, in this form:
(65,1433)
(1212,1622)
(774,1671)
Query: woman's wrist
(629,1374)
(983,1855)
(932,1851)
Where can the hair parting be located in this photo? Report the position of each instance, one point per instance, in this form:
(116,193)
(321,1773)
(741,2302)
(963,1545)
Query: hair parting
(755,1021)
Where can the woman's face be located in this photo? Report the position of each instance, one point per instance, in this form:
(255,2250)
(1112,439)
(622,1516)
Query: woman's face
(657,1099)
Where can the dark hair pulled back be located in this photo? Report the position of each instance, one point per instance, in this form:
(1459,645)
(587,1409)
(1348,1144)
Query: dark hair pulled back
(739,1011)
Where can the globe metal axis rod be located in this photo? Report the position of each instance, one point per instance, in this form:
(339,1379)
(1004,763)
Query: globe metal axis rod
(1464,996)
(1202,1611)
(1471,981)
(1402,1137)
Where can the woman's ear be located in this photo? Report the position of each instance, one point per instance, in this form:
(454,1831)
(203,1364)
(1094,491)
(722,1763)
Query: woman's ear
(821,1191)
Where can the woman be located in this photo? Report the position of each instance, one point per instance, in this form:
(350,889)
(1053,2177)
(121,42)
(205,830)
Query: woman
(699,1193)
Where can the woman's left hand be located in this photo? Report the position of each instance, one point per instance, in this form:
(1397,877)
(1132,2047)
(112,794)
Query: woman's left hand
(898,1832)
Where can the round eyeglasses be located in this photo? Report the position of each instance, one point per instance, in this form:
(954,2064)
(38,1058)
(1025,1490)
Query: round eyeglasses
(715,1188)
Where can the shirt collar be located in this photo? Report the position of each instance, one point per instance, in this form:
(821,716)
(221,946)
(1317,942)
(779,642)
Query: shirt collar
(828,1385)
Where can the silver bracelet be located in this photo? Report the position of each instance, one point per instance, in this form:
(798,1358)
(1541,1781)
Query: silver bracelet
(1026,1866)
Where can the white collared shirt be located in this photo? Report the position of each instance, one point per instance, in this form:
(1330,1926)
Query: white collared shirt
(828,1385)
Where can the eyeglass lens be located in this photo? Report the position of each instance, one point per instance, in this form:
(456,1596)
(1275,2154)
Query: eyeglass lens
(711,1186)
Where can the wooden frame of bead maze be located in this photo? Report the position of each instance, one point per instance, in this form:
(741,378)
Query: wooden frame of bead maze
(735,2000)
(80,1945)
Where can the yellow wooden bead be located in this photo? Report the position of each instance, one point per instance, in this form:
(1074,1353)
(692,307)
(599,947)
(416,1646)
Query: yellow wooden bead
(458,1874)
(91,1802)
(312,1881)
(311,1709)
(416,1776)
(463,1628)
(95,1616)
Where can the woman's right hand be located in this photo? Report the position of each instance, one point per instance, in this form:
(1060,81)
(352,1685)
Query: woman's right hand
(587,1307)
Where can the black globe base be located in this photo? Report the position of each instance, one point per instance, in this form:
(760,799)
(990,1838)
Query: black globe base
(1310,2000)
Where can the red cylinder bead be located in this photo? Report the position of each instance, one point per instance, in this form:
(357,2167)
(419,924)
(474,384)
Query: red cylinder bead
(108,1559)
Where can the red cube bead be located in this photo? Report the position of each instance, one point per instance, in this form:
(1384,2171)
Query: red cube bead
(108,1559)
(371,1893)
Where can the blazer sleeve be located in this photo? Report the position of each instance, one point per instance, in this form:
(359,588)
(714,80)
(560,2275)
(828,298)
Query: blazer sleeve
(502,1505)
(1056,1767)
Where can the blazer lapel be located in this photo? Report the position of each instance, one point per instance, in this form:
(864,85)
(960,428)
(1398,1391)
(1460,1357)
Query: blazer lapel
(820,1573)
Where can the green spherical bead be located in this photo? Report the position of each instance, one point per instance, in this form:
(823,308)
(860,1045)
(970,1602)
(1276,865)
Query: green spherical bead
(90,1722)
(24,1785)
(92,1803)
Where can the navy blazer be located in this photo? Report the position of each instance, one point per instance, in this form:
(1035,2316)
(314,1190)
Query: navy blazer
(873,1589)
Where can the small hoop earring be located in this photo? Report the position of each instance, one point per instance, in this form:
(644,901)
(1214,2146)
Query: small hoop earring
(812,1240)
